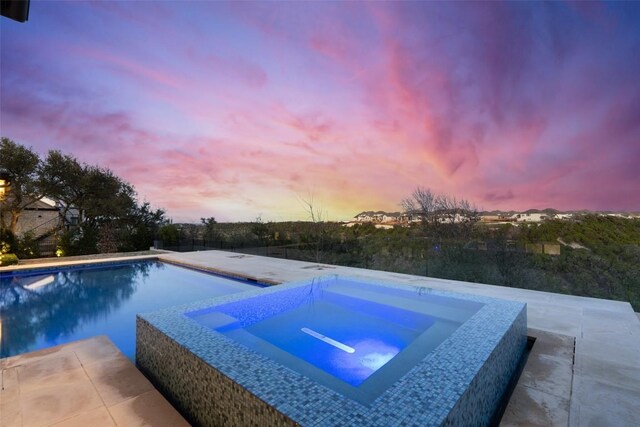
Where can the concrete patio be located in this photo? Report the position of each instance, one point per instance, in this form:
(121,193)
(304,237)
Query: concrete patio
(84,383)
(584,369)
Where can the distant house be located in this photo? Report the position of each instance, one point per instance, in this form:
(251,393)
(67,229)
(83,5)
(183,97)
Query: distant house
(42,221)
(452,218)
(391,217)
(381,217)
(39,219)
(377,216)
(563,216)
(366,216)
(529,217)
(621,215)
(411,217)
(493,218)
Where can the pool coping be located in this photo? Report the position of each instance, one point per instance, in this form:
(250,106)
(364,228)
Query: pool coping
(119,260)
(63,263)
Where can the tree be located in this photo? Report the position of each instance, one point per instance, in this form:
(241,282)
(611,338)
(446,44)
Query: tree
(262,231)
(316,214)
(23,164)
(421,204)
(107,241)
(105,197)
(107,206)
(210,229)
(169,234)
(62,178)
(140,227)
(440,209)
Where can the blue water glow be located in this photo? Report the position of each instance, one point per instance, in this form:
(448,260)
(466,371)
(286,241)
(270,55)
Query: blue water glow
(44,308)
(350,330)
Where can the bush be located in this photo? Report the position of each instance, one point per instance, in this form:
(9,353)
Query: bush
(7,241)
(169,234)
(107,242)
(27,247)
(8,259)
(79,241)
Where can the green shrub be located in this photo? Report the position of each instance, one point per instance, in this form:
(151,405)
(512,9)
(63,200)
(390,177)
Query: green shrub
(169,234)
(27,247)
(80,241)
(7,241)
(107,242)
(8,259)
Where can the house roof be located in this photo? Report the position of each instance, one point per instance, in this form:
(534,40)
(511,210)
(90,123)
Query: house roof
(42,205)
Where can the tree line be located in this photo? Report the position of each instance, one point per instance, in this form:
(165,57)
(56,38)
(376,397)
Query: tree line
(108,217)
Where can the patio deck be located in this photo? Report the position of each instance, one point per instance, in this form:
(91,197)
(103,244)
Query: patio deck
(84,383)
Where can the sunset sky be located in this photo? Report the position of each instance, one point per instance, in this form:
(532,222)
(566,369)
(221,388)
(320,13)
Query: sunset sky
(237,110)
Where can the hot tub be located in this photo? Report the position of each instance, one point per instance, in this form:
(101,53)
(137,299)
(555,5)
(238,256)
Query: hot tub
(335,351)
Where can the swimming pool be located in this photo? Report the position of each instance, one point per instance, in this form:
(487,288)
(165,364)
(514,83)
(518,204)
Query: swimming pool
(336,351)
(45,307)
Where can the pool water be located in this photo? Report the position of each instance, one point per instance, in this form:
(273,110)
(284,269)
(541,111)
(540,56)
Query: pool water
(363,335)
(336,351)
(44,308)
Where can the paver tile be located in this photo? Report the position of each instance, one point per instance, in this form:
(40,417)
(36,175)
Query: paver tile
(10,399)
(625,351)
(98,417)
(52,403)
(554,345)
(613,373)
(556,319)
(598,323)
(62,377)
(31,372)
(97,349)
(548,374)
(10,384)
(148,409)
(11,416)
(598,404)
(117,380)
(529,407)
(34,356)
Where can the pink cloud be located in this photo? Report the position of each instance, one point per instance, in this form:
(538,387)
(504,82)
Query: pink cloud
(134,68)
(503,104)
(229,68)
